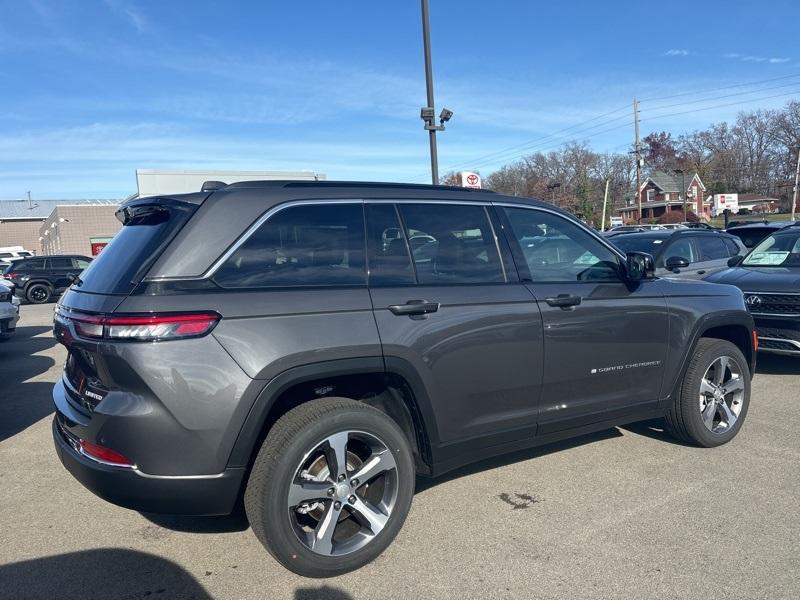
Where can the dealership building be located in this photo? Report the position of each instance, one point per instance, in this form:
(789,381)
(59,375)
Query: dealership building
(86,226)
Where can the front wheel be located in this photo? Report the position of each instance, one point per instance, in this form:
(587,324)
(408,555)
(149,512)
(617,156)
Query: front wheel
(330,487)
(715,395)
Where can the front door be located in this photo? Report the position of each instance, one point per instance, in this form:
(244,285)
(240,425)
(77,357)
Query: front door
(457,317)
(605,339)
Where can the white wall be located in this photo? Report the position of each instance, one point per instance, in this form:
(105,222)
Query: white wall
(157,182)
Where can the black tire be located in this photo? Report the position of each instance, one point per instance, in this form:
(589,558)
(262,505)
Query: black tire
(293,436)
(684,419)
(39,293)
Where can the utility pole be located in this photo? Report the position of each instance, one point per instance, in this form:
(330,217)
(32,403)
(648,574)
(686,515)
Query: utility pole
(638,153)
(428,113)
(796,181)
(605,202)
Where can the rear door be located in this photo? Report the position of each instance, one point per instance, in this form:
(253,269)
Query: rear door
(605,339)
(457,317)
(59,271)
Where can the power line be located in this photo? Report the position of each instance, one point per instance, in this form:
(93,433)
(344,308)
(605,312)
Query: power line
(686,112)
(774,87)
(541,143)
(727,87)
(523,145)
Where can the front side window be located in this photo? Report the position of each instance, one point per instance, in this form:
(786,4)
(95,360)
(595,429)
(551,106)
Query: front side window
(300,246)
(781,250)
(557,250)
(681,248)
(451,244)
(81,264)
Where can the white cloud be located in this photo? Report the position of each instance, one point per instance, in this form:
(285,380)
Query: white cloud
(775,60)
(677,52)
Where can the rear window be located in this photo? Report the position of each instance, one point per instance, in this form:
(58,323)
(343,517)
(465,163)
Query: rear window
(711,248)
(123,263)
(752,235)
(635,243)
(320,245)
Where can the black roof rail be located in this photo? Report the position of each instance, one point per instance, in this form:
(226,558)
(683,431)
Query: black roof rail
(349,184)
(382,184)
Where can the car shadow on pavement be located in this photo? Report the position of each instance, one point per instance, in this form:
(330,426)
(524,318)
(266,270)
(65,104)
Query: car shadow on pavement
(232,523)
(654,429)
(24,402)
(425,483)
(777,364)
(324,592)
(99,573)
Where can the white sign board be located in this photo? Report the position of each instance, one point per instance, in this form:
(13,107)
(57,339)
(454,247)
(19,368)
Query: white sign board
(617,221)
(725,201)
(470,180)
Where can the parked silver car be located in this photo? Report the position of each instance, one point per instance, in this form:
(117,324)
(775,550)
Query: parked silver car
(9,312)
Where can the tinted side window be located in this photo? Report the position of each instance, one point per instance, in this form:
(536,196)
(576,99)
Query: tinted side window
(733,248)
(81,264)
(557,250)
(59,263)
(711,248)
(301,246)
(451,244)
(31,265)
(681,248)
(388,259)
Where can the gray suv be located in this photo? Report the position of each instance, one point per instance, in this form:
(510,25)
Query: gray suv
(309,348)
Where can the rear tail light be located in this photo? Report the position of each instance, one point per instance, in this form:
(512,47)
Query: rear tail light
(142,327)
(103,454)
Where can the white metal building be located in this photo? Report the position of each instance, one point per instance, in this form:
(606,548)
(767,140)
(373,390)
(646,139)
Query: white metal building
(155,182)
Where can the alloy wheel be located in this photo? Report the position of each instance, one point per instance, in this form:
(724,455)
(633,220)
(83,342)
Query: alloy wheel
(721,394)
(342,493)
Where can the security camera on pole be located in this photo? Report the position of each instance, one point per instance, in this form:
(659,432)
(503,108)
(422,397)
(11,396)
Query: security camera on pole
(428,113)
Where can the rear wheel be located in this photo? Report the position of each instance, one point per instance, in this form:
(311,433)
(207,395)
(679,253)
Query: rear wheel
(331,487)
(714,397)
(39,293)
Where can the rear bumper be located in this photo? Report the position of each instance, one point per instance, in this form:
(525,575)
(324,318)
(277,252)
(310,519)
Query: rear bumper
(130,488)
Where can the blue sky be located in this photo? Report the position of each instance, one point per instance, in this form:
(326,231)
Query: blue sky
(91,90)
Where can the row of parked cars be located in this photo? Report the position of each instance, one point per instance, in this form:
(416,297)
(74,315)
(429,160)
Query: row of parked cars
(761,258)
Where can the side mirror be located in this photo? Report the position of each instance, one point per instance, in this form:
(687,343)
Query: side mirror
(734,261)
(674,263)
(639,266)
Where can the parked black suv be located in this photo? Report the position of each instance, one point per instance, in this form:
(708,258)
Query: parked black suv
(685,253)
(769,276)
(316,345)
(40,279)
(751,234)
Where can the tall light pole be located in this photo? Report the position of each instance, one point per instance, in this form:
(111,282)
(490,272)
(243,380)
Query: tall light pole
(428,113)
(796,181)
(683,191)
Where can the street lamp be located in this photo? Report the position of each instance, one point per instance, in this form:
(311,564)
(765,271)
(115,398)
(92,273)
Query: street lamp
(428,113)
(796,180)
(683,192)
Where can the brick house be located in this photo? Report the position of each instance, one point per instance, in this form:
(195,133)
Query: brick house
(662,192)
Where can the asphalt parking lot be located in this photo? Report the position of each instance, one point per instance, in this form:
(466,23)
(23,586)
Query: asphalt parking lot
(626,513)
